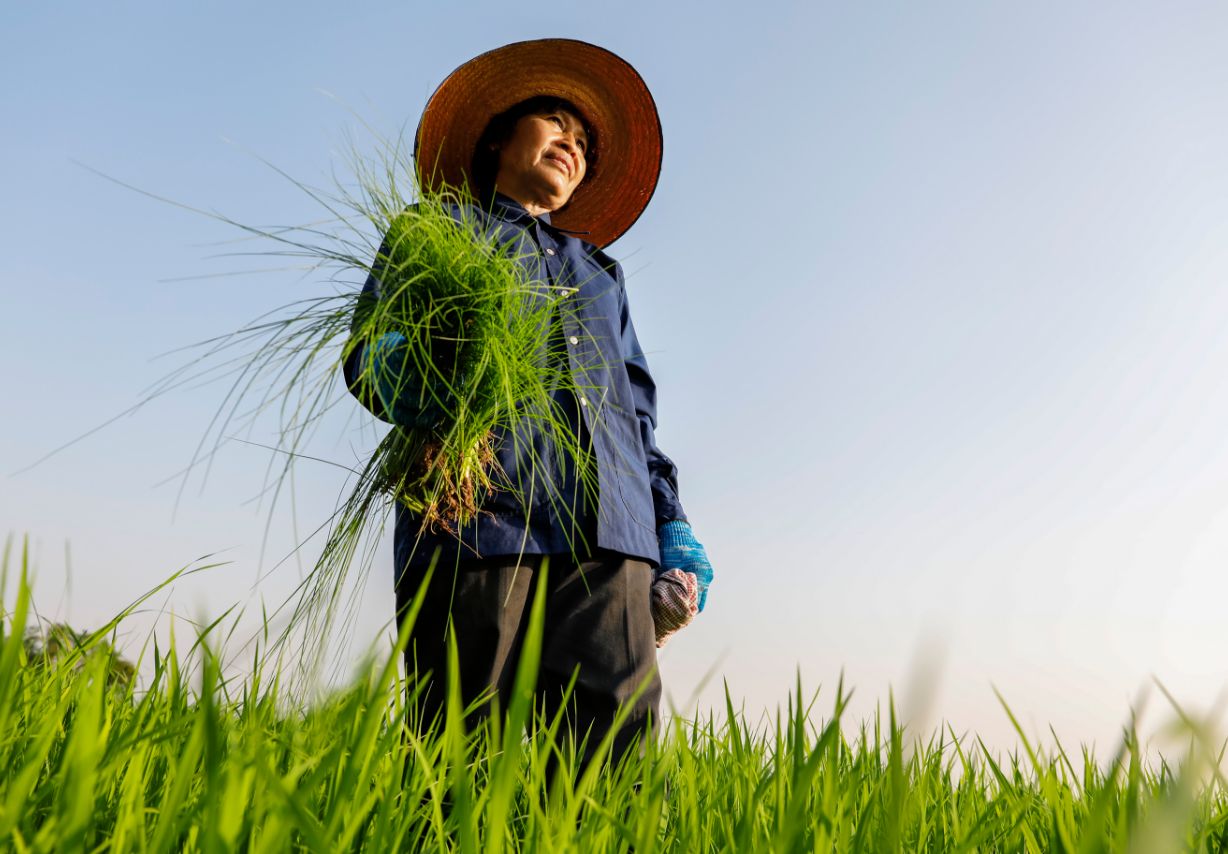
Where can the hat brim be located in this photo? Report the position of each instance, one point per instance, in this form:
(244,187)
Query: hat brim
(604,87)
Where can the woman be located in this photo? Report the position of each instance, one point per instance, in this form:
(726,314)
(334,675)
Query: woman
(557,140)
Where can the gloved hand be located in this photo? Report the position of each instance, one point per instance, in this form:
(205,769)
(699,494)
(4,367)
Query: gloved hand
(409,399)
(680,586)
(675,602)
(680,550)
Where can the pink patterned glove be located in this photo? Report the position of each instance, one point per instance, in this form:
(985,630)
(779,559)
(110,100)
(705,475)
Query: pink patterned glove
(675,602)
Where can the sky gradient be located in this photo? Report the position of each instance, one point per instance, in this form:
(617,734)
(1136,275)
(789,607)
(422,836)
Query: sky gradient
(933,296)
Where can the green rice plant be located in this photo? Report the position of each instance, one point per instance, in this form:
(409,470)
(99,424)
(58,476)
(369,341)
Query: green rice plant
(190,757)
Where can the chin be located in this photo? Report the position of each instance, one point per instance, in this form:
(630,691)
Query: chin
(556,200)
(554,192)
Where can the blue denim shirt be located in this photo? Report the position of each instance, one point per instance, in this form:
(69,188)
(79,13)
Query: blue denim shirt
(637,483)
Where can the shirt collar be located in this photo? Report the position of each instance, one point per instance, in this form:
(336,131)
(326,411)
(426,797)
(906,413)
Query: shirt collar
(514,211)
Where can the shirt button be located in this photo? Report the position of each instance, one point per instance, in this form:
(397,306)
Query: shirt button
(549,251)
(574,340)
(583,402)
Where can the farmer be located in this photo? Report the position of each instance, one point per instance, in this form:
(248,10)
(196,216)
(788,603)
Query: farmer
(560,144)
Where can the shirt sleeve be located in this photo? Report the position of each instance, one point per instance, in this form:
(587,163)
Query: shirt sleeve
(662,473)
(357,375)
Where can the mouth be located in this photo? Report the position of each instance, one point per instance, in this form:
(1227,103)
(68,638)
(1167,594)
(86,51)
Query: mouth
(560,162)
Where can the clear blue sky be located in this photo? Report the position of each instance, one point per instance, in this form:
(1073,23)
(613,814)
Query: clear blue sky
(933,294)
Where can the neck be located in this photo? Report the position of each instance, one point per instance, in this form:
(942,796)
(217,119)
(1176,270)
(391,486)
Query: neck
(534,207)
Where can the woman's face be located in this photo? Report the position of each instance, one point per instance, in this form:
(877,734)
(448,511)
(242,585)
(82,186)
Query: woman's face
(543,162)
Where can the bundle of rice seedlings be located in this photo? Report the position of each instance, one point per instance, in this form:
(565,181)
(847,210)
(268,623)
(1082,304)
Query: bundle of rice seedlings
(471,361)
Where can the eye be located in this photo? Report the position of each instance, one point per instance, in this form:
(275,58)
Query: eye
(558,120)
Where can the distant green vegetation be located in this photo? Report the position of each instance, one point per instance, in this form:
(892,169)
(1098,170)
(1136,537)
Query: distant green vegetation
(189,760)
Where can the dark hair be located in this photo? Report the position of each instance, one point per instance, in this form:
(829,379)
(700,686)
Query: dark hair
(484,167)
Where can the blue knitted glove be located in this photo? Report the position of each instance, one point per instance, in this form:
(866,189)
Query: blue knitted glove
(407,400)
(680,550)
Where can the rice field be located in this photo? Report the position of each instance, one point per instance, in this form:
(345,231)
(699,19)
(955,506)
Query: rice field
(186,758)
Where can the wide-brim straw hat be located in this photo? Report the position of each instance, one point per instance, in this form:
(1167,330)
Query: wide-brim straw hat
(604,87)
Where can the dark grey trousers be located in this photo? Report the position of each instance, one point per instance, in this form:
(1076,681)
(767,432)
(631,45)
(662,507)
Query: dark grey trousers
(598,625)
